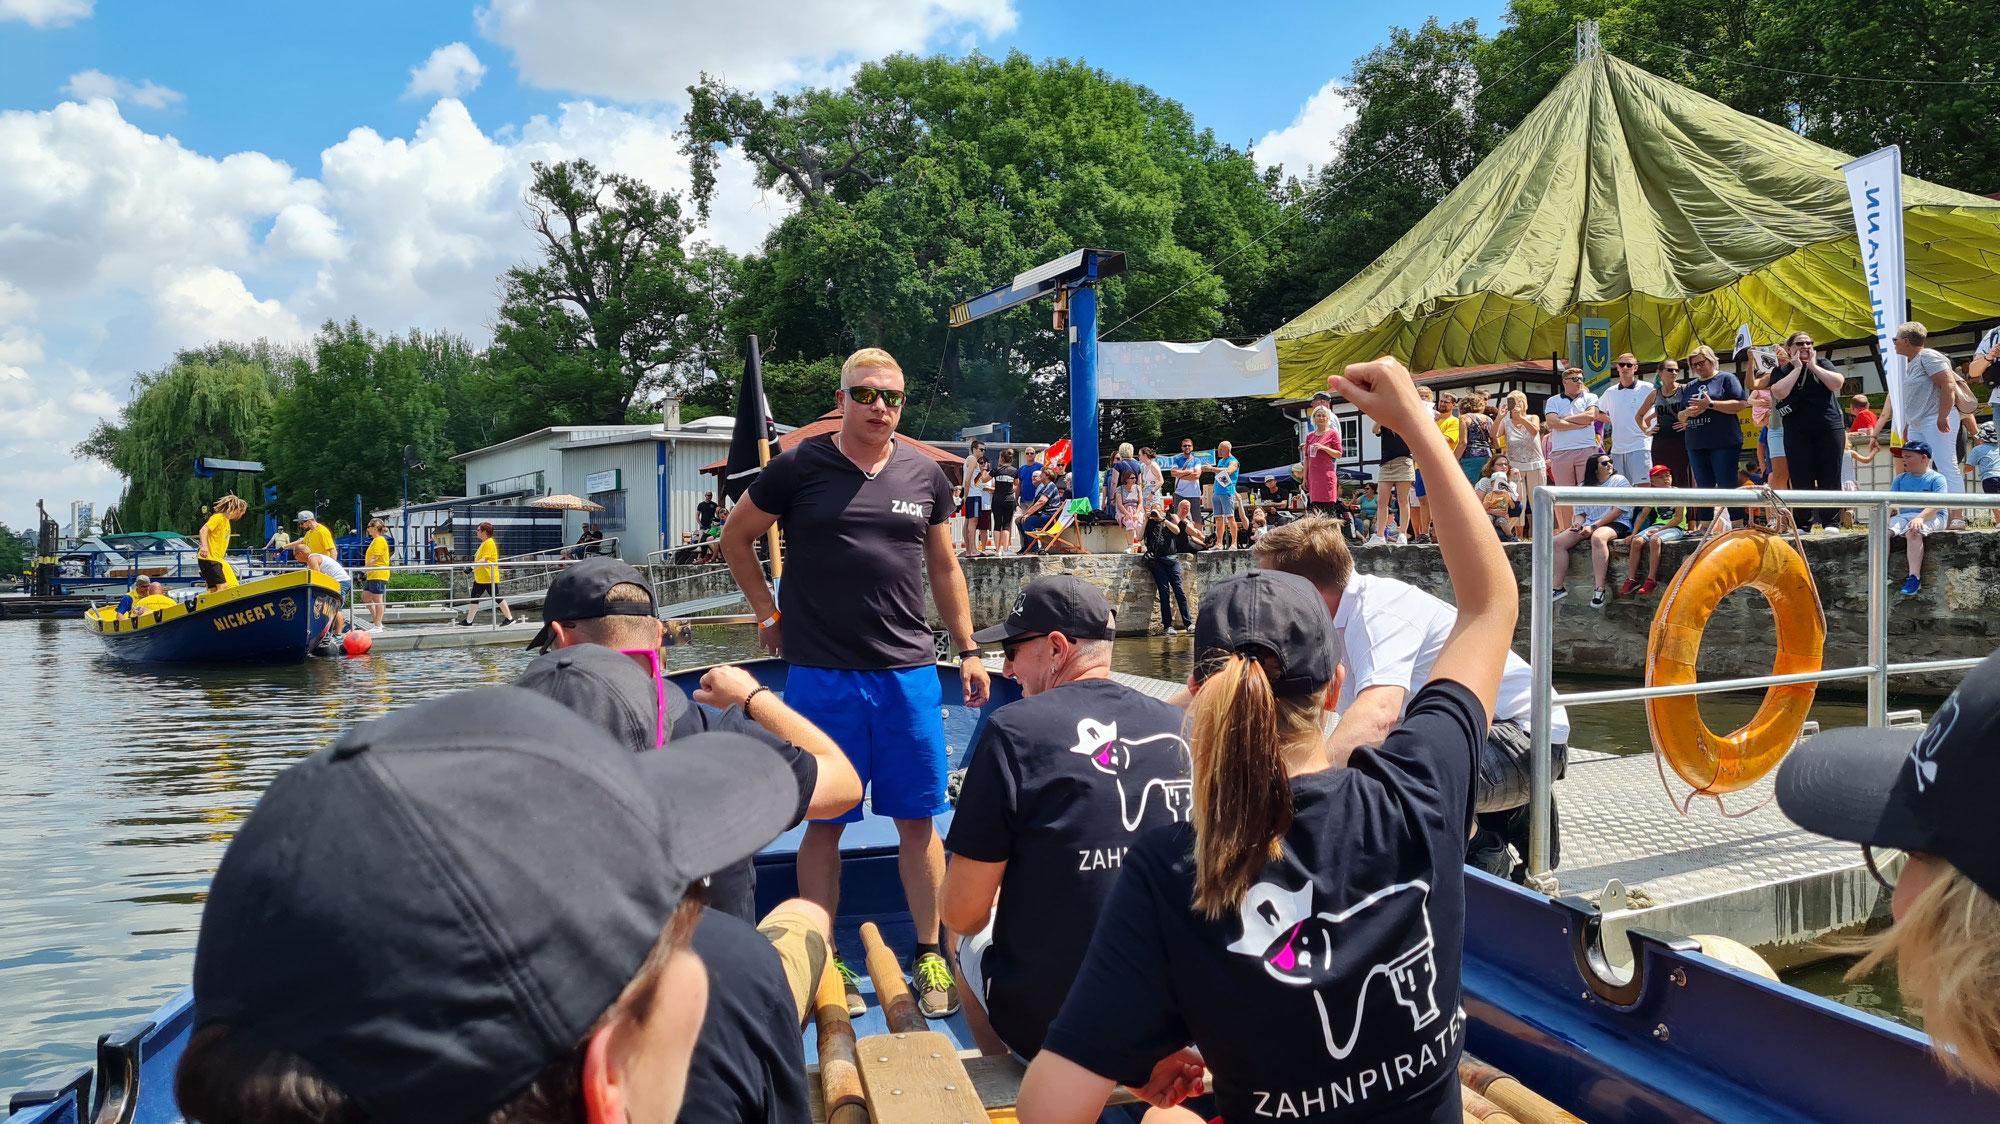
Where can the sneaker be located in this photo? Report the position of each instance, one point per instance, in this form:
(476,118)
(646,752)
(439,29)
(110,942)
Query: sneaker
(1648,586)
(851,983)
(1957,525)
(1597,599)
(1630,585)
(1559,593)
(1171,632)
(1911,585)
(1376,540)
(937,995)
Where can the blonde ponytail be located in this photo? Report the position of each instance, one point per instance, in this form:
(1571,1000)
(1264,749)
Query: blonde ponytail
(1238,733)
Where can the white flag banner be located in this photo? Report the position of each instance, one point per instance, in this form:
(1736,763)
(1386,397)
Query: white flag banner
(1742,339)
(1214,369)
(1875,189)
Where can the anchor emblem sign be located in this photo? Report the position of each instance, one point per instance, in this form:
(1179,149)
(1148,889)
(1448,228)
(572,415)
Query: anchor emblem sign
(1596,348)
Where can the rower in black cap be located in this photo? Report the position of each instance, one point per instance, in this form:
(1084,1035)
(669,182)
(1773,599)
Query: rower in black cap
(750,1064)
(1920,803)
(607,602)
(477,909)
(1305,931)
(1059,785)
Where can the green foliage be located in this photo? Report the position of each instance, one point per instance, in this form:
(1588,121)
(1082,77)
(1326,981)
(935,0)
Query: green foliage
(15,554)
(407,587)
(339,428)
(619,307)
(799,390)
(927,180)
(212,402)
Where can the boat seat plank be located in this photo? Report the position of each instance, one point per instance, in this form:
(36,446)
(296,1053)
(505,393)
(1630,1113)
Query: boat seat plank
(917,1078)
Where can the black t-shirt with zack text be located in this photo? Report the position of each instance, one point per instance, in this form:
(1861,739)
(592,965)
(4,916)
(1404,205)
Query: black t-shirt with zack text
(854,600)
(1059,786)
(733,889)
(1332,992)
(749,1063)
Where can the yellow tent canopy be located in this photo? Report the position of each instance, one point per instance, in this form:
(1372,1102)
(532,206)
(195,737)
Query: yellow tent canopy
(1627,197)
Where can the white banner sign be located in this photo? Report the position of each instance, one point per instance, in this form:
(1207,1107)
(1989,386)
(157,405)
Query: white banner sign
(1875,188)
(1215,369)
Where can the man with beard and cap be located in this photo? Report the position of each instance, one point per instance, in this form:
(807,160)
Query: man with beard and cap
(476,909)
(749,1064)
(605,601)
(1059,785)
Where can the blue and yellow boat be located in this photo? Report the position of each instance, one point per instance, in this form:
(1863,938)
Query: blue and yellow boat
(273,619)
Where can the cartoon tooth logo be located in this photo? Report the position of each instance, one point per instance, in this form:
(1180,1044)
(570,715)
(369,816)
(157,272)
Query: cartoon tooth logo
(1297,946)
(1112,755)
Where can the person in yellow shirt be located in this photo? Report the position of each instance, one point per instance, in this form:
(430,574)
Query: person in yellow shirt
(316,536)
(155,598)
(212,557)
(375,577)
(486,578)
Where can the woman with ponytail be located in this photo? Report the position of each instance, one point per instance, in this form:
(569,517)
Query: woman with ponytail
(1301,934)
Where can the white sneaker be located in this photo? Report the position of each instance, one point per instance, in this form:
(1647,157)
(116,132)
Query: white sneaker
(1376,540)
(1170,631)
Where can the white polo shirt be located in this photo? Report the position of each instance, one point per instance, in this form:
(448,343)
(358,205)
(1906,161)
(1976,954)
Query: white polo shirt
(1623,404)
(1391,633)
(1563,440)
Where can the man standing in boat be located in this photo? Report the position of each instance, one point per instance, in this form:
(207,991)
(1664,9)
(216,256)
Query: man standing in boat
(1061,783)
(866,518)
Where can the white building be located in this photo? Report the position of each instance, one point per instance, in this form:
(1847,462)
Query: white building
(648,477)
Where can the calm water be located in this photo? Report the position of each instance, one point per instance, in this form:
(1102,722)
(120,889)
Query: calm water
(121,786)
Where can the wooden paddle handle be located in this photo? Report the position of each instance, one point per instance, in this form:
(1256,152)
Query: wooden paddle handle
(1479,1108)
(899,1007)
(839,1070)
(1523,1103)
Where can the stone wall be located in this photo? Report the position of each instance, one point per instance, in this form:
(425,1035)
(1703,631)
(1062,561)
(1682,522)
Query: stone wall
(1956,615)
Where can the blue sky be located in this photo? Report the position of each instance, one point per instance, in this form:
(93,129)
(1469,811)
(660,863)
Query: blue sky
(183,172)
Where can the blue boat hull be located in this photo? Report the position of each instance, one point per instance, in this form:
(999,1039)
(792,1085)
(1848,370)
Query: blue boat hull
(269,620)
(1686,1039)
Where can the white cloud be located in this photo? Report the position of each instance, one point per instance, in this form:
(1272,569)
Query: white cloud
(1314,134)
(452,71)
(45,13)
(646,51)
(198,305)
(89,84)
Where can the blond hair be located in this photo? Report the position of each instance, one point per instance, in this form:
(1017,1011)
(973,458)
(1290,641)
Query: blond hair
(1947,953)
(1518,399)
(1706,352)
(1314,548)
(620,630)
(1476,401)
(868,358)
(231,506)
(1238,733)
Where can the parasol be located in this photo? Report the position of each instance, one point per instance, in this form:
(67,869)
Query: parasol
(563,501)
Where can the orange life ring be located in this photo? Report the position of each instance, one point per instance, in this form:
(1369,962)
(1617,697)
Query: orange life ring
(1715,763)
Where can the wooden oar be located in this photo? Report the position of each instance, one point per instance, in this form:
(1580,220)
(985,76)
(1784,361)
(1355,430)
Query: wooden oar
(839,1073)
(1479,1108)
(1523,1103)
(899,1007)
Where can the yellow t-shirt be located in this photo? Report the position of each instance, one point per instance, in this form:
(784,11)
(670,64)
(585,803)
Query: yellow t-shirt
(378,555)
(148,604)
(489,551)
(319,540)
(1449,427)
(217,536)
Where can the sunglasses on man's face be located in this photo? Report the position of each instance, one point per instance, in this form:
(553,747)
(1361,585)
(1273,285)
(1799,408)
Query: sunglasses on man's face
(1628,364)
(866,396)
(1012,648)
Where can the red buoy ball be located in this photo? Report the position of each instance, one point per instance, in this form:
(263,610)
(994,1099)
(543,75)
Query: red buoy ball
(357,643)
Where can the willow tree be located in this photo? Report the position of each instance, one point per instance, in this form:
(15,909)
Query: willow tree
(210,403)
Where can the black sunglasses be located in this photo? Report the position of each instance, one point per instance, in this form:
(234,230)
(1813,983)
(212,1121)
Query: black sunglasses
(1628,364)
(866,395)
(1012,645)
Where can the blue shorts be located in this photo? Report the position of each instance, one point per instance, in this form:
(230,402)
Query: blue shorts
(1418,490)
(1224,503)
(890,724)
(374,585)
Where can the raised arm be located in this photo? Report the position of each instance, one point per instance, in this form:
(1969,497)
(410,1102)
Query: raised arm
(1483,583)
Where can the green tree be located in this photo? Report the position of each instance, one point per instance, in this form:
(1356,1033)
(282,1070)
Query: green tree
(14,552)
(346,412)
(209,402)
(928,180)
(617,309)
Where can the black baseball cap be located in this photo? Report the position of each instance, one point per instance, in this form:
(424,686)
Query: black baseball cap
(447,899)
(1270,613)
(1056,603)
(606,686)
(578,592)
(1927,790)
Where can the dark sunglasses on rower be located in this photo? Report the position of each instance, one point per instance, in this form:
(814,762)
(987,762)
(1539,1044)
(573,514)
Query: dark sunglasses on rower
(1010,647)
(866,395)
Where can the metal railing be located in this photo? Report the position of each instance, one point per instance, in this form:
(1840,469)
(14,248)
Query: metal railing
(1876,670)
(513,569)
